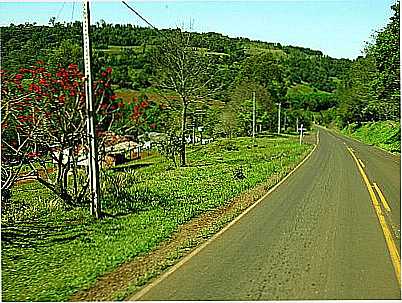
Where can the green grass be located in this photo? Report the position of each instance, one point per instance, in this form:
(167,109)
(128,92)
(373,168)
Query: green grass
(50,257)
(116,49)
(256,50)
(384,134)
(300,89)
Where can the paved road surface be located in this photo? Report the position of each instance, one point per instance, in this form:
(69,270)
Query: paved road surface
(316,237)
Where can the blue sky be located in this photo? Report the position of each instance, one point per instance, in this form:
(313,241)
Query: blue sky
(338,28)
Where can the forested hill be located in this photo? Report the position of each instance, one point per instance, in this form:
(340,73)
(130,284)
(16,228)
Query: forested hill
(127,48)
(309,84)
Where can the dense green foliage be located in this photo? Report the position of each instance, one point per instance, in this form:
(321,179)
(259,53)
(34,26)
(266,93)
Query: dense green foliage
(370,90)
(66,251)
(367,100)
(384,134)
(129,50)
(342,91)
(49,251)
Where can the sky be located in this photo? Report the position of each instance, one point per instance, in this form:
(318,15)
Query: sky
(339,28)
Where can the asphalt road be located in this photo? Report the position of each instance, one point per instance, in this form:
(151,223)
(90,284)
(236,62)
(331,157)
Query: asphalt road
(317,236)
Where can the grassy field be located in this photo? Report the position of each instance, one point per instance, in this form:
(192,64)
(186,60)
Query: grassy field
(49,253)
(384,134)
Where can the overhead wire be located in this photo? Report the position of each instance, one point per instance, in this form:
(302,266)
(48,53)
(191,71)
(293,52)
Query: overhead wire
(143,19)
(60,10)
(72,13)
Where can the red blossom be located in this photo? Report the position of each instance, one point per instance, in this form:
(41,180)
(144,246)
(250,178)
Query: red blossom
(109,70)
(19,76)
(144,104)
(104,74)
(32,154)
(34,87)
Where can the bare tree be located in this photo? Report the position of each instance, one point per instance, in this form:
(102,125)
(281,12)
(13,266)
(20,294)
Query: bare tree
(187,71)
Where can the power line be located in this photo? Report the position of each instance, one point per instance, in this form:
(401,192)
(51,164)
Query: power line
(72,13)
(139,15)
(60,10)
(143,19)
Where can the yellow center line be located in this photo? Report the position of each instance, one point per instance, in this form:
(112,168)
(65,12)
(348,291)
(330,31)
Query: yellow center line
(382,198)
(393,251)
(362,164)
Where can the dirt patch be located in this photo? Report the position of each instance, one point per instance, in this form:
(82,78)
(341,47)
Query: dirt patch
(132,275)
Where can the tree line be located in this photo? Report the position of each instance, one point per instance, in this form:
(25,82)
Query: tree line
(370,89)
(205,81)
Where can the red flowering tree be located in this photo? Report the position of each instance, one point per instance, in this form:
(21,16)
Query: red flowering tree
(140,115)
(44,127)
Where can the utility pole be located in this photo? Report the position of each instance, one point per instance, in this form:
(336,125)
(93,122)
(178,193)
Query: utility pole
(93,164)
(279,118)
(297,124)
(253,115)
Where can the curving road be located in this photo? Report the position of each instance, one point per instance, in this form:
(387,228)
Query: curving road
(319,235)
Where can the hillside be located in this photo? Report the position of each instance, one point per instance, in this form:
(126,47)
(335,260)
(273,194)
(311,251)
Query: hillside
(127,46)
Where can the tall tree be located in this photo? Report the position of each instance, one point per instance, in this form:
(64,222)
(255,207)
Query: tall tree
(266,70)
(188,72)
(386,51)
(358,102)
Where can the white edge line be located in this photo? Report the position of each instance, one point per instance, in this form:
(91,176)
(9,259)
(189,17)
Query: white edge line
(146,289)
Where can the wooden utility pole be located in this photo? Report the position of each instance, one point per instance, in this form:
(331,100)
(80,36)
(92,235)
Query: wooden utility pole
(93,165)
(253,115)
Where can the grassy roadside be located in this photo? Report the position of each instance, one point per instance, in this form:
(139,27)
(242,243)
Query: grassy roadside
(383,134)
(53,259)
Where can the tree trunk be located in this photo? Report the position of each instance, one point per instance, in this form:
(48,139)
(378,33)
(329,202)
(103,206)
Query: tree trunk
(183,134)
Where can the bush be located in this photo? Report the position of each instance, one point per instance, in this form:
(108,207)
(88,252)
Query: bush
(228,145)
(121,194)
(384,134)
